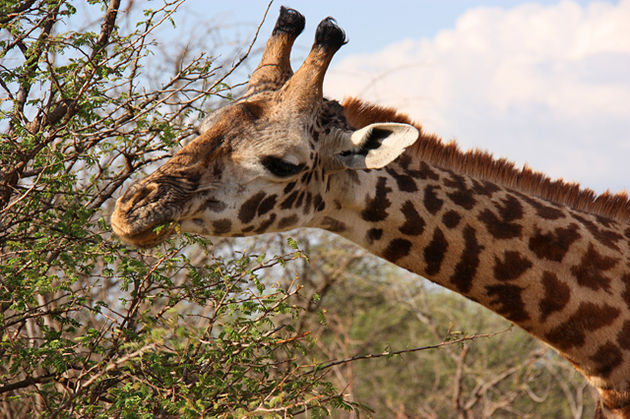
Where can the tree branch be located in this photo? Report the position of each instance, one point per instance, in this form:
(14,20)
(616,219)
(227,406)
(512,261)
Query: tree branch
(20,8)
(402,351)
(29,381)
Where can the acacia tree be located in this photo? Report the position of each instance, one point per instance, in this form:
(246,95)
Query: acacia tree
(88,326)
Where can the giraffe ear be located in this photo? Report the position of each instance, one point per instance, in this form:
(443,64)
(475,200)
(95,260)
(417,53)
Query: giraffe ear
(373,146)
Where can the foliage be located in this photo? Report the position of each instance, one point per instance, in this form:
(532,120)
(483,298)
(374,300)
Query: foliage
(89,327)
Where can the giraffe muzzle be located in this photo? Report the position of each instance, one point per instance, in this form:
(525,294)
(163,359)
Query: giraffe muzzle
(146,214)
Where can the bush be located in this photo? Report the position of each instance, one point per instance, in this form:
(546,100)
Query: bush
(90,327)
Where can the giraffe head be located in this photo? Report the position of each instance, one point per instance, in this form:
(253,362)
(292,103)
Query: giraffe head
(264,162)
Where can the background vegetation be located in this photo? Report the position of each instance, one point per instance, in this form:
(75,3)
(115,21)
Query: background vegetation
(92,328)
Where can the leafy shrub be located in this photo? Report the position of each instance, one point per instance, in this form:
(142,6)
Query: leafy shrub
(88,326)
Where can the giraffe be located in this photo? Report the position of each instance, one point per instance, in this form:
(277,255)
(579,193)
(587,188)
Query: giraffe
(549,256)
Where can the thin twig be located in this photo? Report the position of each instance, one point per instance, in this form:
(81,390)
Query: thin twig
(410,350)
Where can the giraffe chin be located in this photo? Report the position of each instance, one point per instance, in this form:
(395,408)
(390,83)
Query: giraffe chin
(147,237)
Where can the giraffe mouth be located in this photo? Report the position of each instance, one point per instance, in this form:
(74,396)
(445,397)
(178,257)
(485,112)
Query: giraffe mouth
(150,211)
(141,220)
(143,235)
(148,237)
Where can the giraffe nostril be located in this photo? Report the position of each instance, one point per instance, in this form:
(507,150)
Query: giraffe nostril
(137,194)
(144,192)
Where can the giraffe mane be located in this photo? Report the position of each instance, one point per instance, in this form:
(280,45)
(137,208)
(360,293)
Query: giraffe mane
(482,164)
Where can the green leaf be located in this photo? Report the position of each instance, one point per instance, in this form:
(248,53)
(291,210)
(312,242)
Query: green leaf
(292,243)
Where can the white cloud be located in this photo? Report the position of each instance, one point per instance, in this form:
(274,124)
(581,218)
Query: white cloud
(543,85)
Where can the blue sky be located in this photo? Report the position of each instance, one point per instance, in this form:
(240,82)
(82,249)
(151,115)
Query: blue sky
(370,25)
(543,83)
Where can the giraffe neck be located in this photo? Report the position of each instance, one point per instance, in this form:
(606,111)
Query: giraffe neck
(561,274)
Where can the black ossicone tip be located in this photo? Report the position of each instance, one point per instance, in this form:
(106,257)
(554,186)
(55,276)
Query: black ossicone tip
(290,21)
(329,34)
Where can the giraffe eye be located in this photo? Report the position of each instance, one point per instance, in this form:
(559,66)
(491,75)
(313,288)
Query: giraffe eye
(279,167)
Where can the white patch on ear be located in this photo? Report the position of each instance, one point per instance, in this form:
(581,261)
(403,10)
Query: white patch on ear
(376,145)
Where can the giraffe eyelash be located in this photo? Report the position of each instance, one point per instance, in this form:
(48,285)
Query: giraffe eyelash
(279,167)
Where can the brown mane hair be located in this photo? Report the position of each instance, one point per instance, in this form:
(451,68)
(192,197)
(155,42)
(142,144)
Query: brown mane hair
(481,164)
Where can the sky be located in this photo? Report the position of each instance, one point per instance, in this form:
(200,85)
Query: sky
(545,83)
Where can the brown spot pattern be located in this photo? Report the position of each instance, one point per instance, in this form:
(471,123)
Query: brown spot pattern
(607,358)
(466,268)
(464,199)
(333,225)
(318,203)
(404,161)
(414,224)
(307,202)
(397,249)
(451,219)
(286,204)
(590,271)
(503,226)
(214,206)
(249,207)
(462,196)
(557,295)
(266,224)
(300,199)
(553,245)
(606,222)
(424,172)
(484,187)
(374,234)
(508,301)
(434,253)
(511,266)
(626,293)
(289,187)
(623,337)
(588,317)
(606,237)
(289,221)
(267,204)
(405,182)
(543,211)
(221,226)
(627,233)
(431,202)
(376,208)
